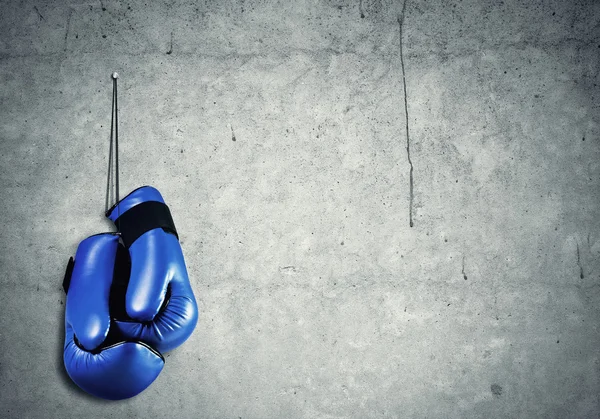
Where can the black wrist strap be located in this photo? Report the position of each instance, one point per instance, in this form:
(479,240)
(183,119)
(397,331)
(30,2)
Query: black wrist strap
(142,218)
(68,274)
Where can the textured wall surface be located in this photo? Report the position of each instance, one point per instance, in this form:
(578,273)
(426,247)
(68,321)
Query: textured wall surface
(277,133)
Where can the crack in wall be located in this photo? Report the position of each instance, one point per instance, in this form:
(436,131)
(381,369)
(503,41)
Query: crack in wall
(68,29)
(581,276)
(411,179)
(170,51)
(40,17)
(232,134)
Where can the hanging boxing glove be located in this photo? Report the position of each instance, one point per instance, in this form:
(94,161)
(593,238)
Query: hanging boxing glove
(158,307)
(96,357)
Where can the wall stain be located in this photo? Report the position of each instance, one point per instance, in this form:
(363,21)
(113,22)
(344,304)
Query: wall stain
(288,270)
(496,390)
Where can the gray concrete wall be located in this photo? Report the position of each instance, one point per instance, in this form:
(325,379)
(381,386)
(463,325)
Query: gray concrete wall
(317,298)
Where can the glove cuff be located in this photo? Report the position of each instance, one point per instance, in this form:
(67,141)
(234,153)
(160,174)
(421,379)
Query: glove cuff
(142,210)
(135,197)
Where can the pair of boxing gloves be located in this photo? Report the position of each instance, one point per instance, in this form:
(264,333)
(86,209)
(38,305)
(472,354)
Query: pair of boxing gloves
(129,300)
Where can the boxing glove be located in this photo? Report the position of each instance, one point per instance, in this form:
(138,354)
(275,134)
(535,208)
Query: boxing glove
(97,358)
(158,307)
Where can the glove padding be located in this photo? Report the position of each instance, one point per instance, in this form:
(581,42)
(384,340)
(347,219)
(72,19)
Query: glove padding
(158,305)
(96,356)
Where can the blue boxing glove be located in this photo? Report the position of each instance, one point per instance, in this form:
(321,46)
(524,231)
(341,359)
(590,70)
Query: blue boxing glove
(96,356)
(157,304)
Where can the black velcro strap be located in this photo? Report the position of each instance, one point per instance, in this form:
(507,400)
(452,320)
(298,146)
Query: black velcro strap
(118,289)
(68,274)
(142,218)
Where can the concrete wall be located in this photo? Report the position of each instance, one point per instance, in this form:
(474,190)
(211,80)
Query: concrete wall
(277,133)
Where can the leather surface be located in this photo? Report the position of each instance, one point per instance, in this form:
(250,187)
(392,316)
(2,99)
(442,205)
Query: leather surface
(157,264)
(123,368)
